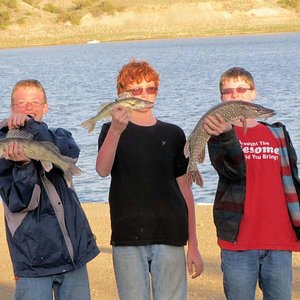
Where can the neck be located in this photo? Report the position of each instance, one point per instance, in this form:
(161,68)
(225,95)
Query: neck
(249,122)
(144,118)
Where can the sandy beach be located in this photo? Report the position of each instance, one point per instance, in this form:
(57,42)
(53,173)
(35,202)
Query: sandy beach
(103,287)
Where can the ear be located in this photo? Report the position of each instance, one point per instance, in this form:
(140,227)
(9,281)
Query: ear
(45,109)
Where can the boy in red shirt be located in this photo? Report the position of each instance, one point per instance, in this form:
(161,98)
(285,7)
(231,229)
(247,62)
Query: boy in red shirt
(256,208)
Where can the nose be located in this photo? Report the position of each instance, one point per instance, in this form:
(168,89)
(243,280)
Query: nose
(144,93)
(234,94)
(29,104)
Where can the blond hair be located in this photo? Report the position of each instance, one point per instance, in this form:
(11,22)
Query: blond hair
(31,84)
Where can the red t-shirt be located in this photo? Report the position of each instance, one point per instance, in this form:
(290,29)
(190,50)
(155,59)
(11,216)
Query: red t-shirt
(266,223)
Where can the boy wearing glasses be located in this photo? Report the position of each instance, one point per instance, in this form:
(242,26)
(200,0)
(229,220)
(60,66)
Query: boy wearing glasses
(256,208)
(151,205)
(49,238)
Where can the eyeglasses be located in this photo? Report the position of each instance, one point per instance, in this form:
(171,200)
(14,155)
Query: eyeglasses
(22,104)
(240,90)
(139,90)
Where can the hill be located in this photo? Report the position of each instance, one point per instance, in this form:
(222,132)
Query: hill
(44,22)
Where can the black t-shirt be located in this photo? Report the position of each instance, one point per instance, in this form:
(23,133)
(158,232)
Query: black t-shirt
(146,204)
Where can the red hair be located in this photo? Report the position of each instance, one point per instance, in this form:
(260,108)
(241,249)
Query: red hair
(135,71)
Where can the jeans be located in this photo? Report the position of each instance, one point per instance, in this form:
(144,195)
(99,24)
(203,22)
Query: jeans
(166,265)
(70,285)
(242,270)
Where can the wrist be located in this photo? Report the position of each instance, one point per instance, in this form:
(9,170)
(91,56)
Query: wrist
(114,132)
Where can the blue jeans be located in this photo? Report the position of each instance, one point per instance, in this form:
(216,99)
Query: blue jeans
(71,285)
(166,265)
(242,270)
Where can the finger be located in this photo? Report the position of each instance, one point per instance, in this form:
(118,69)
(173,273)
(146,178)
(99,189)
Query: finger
(220,118)
(15,151)
(198,271)
(9,123)
(21,120)
(190,266)
(9,152)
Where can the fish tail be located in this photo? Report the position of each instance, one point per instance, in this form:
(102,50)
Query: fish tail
(89,125)
(69,179)
(68,175)
(75,171)
(194,176)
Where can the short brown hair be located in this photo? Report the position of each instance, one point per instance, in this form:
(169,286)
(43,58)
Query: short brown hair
(237,73)
(28,83)
(135,71)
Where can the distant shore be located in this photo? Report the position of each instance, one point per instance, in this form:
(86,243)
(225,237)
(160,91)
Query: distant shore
(207,287)
(87,38)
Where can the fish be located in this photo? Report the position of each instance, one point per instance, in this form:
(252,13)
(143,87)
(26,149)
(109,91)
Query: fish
(194,148)
(105,110)
(45,152)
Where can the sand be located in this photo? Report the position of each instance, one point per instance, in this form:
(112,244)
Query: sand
(103,287)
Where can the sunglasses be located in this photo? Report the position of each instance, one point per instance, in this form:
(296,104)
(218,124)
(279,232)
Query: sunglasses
(240,90)
(139,90)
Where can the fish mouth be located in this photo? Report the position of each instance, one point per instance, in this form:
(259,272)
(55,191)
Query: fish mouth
(269,113)
(149,104)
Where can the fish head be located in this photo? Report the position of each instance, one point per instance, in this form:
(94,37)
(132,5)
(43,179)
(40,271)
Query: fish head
(136,103)
(253,110)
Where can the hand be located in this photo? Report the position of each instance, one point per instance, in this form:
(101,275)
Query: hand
(194,261)
(15,152)
(216,125)
(17,120)
(120,118)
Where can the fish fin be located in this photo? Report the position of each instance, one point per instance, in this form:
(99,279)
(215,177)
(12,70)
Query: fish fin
(244,122)
(19,134)
(103,105)
(72,171)
(124,96)
(194,176)
(89,124)
(69,179)
(75,171)
(47,165)
(186,149)
(3,123)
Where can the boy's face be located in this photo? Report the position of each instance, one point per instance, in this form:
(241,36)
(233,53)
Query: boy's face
(29,101)
(237,89)
(145,90)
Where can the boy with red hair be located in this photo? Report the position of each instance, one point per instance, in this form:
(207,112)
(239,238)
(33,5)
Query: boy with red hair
(151,204)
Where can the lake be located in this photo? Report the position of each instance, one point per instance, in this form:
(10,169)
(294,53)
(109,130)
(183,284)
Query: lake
(78,78)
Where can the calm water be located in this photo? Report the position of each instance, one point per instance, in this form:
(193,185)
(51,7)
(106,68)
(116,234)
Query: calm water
(78,78)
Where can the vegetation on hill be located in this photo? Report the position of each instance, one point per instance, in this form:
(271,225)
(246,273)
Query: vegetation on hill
(39,22)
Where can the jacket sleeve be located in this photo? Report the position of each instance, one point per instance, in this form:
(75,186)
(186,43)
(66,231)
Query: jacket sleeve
(226,155)
(19,184)
(293,162)
(60,137)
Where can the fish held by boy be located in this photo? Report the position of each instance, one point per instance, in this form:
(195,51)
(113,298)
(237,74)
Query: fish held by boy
(105,110)
(45,152)
(230,111)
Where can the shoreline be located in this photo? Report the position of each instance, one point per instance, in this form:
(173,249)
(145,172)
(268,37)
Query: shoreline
(73,42)
(101,275)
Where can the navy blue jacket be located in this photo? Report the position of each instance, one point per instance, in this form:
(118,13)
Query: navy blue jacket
(38,246)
